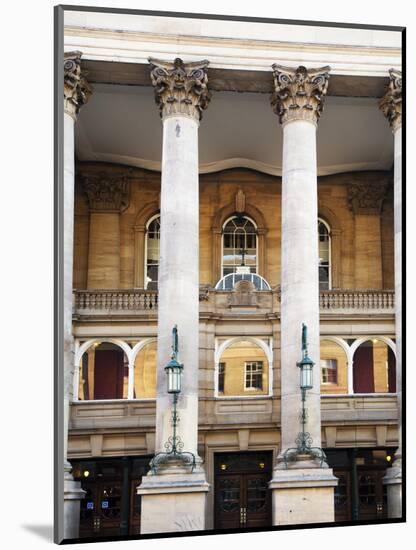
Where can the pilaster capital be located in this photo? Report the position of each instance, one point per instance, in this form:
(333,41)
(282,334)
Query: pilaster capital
(76,88)
(107,193)
(180,88)
(391,103)
(299,93)
(367,197)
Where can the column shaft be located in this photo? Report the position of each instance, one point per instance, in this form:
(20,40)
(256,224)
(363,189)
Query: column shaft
(299,277)
(179,277)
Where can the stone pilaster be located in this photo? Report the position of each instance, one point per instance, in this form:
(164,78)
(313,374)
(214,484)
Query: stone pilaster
(182,94)
(302,489)
(76,94)
(366,200)
(391,106)
(108,196)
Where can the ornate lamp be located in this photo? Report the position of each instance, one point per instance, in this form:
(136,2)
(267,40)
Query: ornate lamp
(304,439)
(174,445)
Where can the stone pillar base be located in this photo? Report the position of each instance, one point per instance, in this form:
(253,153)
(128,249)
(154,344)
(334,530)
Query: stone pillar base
(73,494)
(393,481)
(302,493)
(173,501)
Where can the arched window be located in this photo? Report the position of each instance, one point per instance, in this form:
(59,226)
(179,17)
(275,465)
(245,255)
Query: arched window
(324,251)
(151,264)
(239,245)
(104,373)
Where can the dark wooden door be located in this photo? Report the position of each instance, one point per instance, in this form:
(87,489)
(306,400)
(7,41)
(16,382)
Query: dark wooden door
(242,496)
(108,374)
(342,496)
(101,509)
(372,497)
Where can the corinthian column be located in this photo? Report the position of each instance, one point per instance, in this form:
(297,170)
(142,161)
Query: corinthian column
(181,93)
(391,105)
(298,102)
(76,94)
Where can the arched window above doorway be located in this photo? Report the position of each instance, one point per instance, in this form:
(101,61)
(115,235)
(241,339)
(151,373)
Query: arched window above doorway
(152,250)
(239,245)
(324,251)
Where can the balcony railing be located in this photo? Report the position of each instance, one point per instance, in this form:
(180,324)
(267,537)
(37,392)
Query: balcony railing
(356,299)
(138,301)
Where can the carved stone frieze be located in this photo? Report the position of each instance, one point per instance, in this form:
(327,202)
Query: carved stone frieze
(299,93)
(180,88)
(367,197)
(107,192)
(76,88)
(391,103)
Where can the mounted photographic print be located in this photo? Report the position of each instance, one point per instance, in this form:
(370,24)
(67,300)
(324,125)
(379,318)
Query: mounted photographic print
(228,274)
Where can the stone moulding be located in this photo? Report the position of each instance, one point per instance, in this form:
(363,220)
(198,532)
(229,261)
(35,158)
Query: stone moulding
(180,88)
(299,93)
(391,103)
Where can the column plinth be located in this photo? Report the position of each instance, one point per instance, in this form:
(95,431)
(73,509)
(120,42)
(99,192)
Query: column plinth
(391,106)
(181,93)
(302,488)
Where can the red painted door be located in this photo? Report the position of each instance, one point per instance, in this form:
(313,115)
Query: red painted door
(363,374)
(108,374)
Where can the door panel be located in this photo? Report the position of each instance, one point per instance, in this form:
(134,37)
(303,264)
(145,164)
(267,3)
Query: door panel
(371,495)
(342,496)
(242,496)
(108,374)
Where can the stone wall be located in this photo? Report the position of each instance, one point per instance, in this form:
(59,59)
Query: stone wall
(362,240)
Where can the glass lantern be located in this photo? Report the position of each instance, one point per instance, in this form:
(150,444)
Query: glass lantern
(306,375)
(174,372)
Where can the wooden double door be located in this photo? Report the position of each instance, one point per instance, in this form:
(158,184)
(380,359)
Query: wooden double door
(242,496)
(111,506)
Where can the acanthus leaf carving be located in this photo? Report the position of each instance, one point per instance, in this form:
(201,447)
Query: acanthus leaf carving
(77,90)
(107,193)
(299,93)
(391,103)
(367,197)
(180,88)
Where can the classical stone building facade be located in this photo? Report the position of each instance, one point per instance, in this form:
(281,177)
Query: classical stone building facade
(210,233)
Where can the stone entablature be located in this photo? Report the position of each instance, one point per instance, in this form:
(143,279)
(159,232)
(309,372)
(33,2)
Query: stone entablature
(391,103)
(76,88)
(299,93)
(180,88)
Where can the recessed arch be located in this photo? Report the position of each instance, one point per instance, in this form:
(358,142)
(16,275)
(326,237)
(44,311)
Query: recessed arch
(374,365)
(249,371)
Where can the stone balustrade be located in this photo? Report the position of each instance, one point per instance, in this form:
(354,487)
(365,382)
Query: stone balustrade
(118,302)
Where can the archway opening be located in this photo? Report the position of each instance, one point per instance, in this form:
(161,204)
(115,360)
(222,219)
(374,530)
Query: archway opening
(334,368)
(243,370)
(374,368)
(103,372)
(145,372)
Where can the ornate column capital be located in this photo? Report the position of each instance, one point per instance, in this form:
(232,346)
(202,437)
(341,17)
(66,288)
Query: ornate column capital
(180,88)
(367,197)
(391,103)
(76,88)
(107,193)
(299,93)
